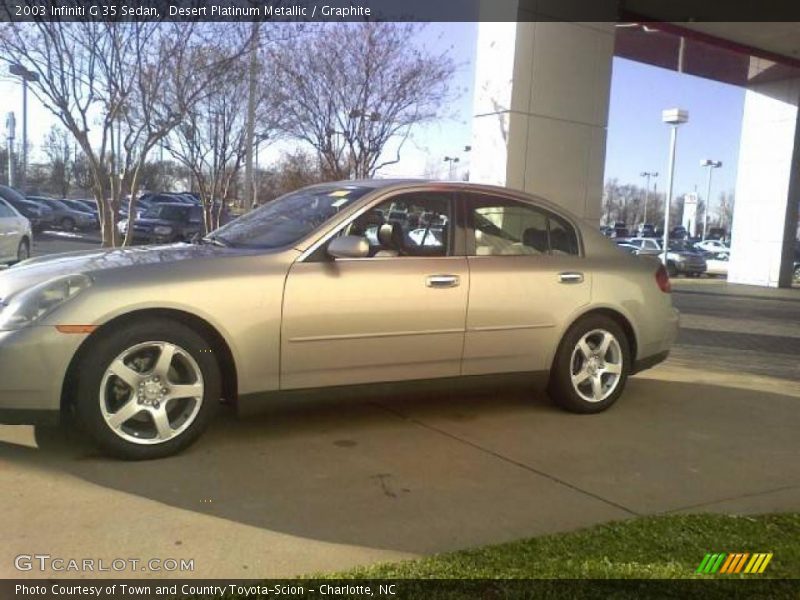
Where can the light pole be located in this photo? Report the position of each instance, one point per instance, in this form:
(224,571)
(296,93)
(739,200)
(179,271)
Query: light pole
(648,175)
(11,128)
(711,164)
(452,160)
(674,117)
(26,76)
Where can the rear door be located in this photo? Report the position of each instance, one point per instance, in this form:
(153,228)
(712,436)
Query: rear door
(528,278)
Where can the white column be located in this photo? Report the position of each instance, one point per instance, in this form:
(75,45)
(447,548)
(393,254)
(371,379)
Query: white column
(765,209)
(541,110)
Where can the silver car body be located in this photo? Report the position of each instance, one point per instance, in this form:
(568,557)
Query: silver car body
(14,229)
(286,322)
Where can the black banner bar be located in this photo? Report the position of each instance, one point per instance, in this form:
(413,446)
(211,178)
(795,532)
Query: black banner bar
(708,588)
(680,11)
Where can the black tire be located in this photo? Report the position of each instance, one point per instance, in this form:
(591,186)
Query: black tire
(111,345)
(561,389)
(23,250)
(68,224)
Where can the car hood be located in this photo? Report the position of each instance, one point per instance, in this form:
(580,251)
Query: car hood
(38,270)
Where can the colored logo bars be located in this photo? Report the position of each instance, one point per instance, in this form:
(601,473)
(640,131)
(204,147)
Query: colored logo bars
(741,562)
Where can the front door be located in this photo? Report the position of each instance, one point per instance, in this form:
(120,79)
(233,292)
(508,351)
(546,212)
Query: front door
(395,315)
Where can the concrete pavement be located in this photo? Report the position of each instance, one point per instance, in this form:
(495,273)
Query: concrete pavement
(328,485)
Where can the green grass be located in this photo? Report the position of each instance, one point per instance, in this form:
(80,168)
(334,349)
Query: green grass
(663,547)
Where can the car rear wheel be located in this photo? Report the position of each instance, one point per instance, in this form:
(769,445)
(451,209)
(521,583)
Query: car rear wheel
(591,365)
(148,390)
(67,224)
(23,250)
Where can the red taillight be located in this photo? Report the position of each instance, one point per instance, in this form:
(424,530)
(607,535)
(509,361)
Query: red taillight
(662,279)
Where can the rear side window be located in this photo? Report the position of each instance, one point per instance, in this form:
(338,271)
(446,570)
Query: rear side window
(502,227)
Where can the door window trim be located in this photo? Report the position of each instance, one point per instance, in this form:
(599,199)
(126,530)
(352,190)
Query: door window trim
(468,201)
(457,234)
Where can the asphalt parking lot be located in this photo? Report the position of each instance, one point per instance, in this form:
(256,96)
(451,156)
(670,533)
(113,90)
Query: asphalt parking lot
(328,485)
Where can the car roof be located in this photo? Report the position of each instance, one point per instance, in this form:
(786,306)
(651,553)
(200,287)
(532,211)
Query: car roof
(400,183)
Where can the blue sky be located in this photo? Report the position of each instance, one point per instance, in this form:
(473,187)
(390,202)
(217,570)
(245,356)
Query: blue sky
(638,140)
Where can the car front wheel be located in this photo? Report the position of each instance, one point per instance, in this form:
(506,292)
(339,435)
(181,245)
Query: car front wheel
(591,366)
(147,390)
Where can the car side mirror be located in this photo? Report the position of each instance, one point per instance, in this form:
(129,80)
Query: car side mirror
(349,246)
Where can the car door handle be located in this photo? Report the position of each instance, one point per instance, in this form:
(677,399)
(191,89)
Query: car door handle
(442,281)
(570,277)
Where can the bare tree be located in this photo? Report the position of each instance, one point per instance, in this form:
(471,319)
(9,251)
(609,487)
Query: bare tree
(119,89)
(58,147)
(348,89)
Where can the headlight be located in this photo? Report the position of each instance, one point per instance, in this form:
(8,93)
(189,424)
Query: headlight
(162,230)
(34,303)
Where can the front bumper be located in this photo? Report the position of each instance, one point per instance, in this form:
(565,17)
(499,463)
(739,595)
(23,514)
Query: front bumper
(33,365)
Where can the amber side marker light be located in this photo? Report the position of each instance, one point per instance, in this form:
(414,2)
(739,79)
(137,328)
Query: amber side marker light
(76,328)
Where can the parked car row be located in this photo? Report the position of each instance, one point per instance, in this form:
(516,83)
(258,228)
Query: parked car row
(684,257)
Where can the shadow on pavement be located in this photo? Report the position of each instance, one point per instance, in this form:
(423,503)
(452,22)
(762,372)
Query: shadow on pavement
(416,473)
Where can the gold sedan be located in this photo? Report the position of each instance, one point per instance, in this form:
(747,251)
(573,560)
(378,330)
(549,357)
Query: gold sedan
(341,284)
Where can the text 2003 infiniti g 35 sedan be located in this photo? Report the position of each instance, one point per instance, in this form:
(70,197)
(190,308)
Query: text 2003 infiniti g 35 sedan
(333,285)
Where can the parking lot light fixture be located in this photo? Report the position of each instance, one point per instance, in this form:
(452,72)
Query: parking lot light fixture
(26,75)
(674,117)
(710,165)
(647,175)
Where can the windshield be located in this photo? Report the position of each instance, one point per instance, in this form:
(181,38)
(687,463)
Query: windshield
(289,219)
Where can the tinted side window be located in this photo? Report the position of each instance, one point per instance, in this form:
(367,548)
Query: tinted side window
(563,239)
(5,211)
(416,224)
(501,227)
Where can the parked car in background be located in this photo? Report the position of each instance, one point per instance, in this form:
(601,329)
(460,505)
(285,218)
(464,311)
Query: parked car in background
(647,246)
(716,233)
(717,264)
(629,248)
(678,233)
(80,206)
(152,199)
(65,217)
(142,206)
(162,223)
(16,235)
(137,346)
(683,259)
(40,217)
(712,246)
(647,230)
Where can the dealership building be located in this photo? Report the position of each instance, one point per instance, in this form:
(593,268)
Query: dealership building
(541,113)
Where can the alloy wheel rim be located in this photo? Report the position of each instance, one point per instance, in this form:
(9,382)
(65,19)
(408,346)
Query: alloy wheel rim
(596,365)
(151,393)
